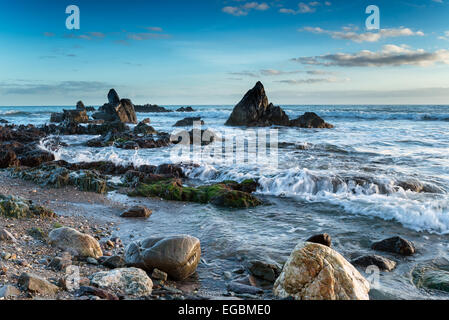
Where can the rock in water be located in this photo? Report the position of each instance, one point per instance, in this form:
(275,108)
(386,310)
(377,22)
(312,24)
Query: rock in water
(188,122)
(395,245)
(382,263)
(36,284)
(317,272)
(254,110)
(113,97)
(323,239)
(122,110)
(137,212)
(310,120)
(75,116)
(178,256)
(264,270)
(80,106)
(75,242)
(130,281)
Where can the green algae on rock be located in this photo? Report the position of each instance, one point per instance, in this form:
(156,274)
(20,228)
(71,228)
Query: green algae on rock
(17,207)
(225,194)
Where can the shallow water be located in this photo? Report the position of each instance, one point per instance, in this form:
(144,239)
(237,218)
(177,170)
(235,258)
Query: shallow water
(344,181)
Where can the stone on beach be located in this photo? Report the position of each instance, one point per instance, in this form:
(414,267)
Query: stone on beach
(317,272)
(396,245)
(6,236)
(178,256)
(131,281)
(9,291)
(17,207)
(75,242)
(36,284)
(137,212)
(382,263)
(264,270)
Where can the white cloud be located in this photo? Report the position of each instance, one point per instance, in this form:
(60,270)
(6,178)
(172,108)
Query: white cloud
(244,9)
(302,8)
(445,36)
(390,55)
(313,80)
(349,33)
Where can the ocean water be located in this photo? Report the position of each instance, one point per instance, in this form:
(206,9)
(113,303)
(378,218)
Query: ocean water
(347,181)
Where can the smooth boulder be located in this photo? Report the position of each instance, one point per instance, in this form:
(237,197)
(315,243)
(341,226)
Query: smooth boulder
(382,263)
(131,281)
(316,272)
(178,256)
(137,212)
(75,242)
(396,245)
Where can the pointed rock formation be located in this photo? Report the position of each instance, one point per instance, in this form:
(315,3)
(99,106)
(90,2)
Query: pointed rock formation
(116,109)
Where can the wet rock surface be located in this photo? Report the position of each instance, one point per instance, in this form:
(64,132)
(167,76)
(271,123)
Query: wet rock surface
(396,245)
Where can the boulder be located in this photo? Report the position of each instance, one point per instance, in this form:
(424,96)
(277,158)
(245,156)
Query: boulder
(75,242)
(382,263)
(178,256)
(316,272)
(9,291)
(188,122)
(264,270)
(114,262)
(80,106)
(310,120)
(8,158)
(137,212)
(131,281)
(17,207)
(323,239)
(241,288)
(35,284)
(116,110)
(396,245)
(159,275)
(113,97)
(144,128)
(75,116)
(431,277)
(97,292)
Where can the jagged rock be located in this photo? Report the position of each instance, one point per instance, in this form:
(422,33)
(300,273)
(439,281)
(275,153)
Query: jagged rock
(35,157)
(431,277)
(185,109)
(382,263)
(131,281)
(9,291)
(198,137)
(323,239)
(317,272)
(395,245)
(80,106)
(17,207)
(265,270)
(310,120)
(35,284)
(57,117)
(178,256)
(144,128)
(159,275)
(75,116)
(121,110)
(6,236)
(188,122)
(75,242)
(137,212)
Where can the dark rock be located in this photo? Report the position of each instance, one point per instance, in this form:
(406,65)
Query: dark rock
(37,233)
(159,275)
(137,212)
(17,207)
(150,108)
(75,116)
(382,263)
(80,106)
(4,121)
(35,157)
(310,120)
(188,122)
(241,288)
(195,136)
(264,270)
(323,239)
(114,262)
(144,128)
(113,97)
(60,263)
(57,117)
(396,245)
(185,109)
(116,110)
(98,292)
(8,158)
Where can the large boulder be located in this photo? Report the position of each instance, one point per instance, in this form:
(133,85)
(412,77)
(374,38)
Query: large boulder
(255,110)
(121,110)
(75,116)
(131,281)
(317,272)
(178,256)
(75,242)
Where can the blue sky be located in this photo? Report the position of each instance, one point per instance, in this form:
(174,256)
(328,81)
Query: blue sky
(212,52)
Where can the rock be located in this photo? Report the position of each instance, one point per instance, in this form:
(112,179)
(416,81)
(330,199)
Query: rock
(80,106)
(92,291)
(195,136)
(37,233)
(16,207)
(323,239)
(6,236)
(75,116)
(92,261)
(150,108)
(178,256)
(185,109)
(144,128)
(159,275)
(396,245)
(310,120)
(9,291)
(189,122)
(114,262)
(8,158)
(241,288)
(116,110)
(264,270)
(431,277)
(131,281)
(36,284)
(35,157)
(60,263)
(4,121)
(57,117)
(317,272)
(75,242)
(254,110)
(382,263)
(113,97)
(137,212)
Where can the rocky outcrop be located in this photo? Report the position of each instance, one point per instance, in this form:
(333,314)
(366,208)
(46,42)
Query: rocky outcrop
(396,245)
(75,242)
(130,281)
(317,272)
(75,116)
(116,109)
(17,207)
(185,109)
(431,277)
(151,108)
(188,122)
(178,256)
(137,212)
(382,263)
(80,106)
(255,110)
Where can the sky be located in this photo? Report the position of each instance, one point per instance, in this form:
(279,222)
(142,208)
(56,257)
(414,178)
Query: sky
(211,52)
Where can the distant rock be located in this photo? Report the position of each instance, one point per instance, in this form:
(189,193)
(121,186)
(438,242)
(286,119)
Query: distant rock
(150,108)
(255,110)
(188,122)
(4,121)
(382,263)
(185,109)
(80,106)
(75,242)
(57,117)
(396,245)
(316,272)
(144,128)
(116,109)
(323,239)
(178,256)
(137,212)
